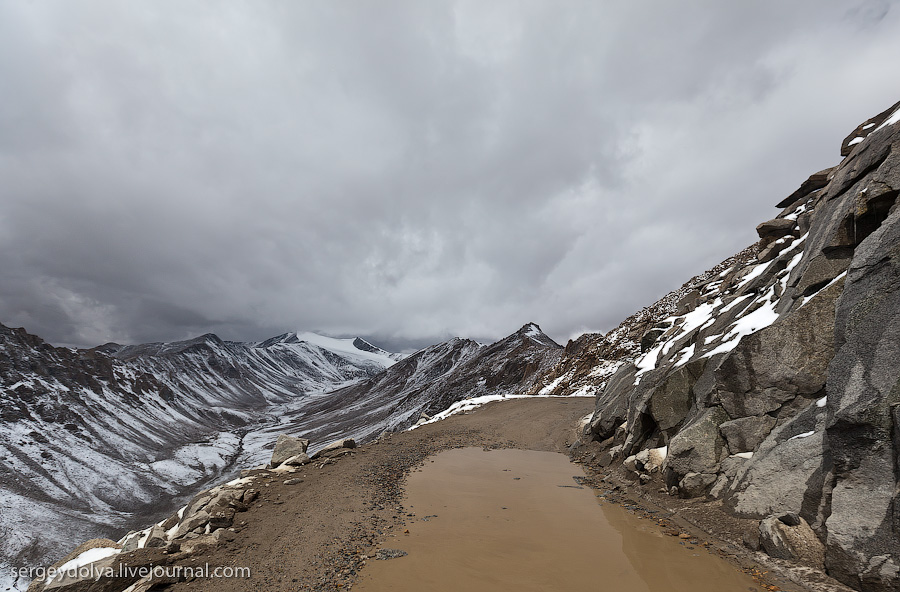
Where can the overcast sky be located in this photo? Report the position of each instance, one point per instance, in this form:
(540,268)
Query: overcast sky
(406,171)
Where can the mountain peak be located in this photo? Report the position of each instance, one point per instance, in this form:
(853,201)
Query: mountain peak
(353,346)
(360,343)
(533,332)
(283,338)
(530,329)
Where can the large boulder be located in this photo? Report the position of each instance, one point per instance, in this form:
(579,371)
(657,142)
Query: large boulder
(104,549)
(696,484)
(296,461)
(698,447)
(611,406)
(775,228)
(286,447)
(156,537)
(814,182)
(746,433)
(865,128)
(198,519)
(109,573)
(221,518)
(224,498)
(672,399)
(786,472)
(788,536)
(336,448)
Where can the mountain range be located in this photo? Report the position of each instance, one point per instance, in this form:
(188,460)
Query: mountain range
(100,441)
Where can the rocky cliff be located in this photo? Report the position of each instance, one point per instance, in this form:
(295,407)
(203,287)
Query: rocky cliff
(772,382)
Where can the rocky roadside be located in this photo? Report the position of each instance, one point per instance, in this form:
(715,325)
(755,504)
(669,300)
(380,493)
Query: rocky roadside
(316,525)
(700,522)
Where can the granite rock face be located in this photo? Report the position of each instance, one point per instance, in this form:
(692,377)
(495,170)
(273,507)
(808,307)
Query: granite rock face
(774,381)
(862,430)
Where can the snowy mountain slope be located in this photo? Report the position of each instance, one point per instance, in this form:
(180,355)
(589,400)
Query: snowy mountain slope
(428,381)
(387,401)
(432,379)
(509,366)
(98,440)
(591,359)
(358,351)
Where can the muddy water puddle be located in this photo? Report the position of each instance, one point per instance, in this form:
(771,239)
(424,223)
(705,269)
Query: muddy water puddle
(518,520)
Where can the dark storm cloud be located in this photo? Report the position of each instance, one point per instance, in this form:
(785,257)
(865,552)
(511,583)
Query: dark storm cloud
(404,170)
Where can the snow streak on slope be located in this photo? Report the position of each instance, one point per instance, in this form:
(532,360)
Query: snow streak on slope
(744,302)
(591,359)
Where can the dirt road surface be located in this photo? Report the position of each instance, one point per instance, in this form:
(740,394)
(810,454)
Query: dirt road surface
(316,535)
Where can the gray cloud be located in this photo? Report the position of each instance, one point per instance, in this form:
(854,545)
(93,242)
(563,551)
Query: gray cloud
(404,170)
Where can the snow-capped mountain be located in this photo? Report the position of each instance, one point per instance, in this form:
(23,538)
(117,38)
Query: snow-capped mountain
(431,380)
(509,366)
(428,381)
(100,440)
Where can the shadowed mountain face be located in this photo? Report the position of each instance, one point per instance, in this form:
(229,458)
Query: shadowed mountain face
(96,441)
(771,381)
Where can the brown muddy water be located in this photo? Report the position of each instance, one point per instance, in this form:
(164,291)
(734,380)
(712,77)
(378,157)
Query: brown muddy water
(517,520)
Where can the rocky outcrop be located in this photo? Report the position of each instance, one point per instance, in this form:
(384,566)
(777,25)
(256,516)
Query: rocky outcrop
(590,361)
(287,447)
(863,130)
(862,432)
(775,385)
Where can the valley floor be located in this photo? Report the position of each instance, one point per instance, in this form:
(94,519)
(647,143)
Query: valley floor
(319,533)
